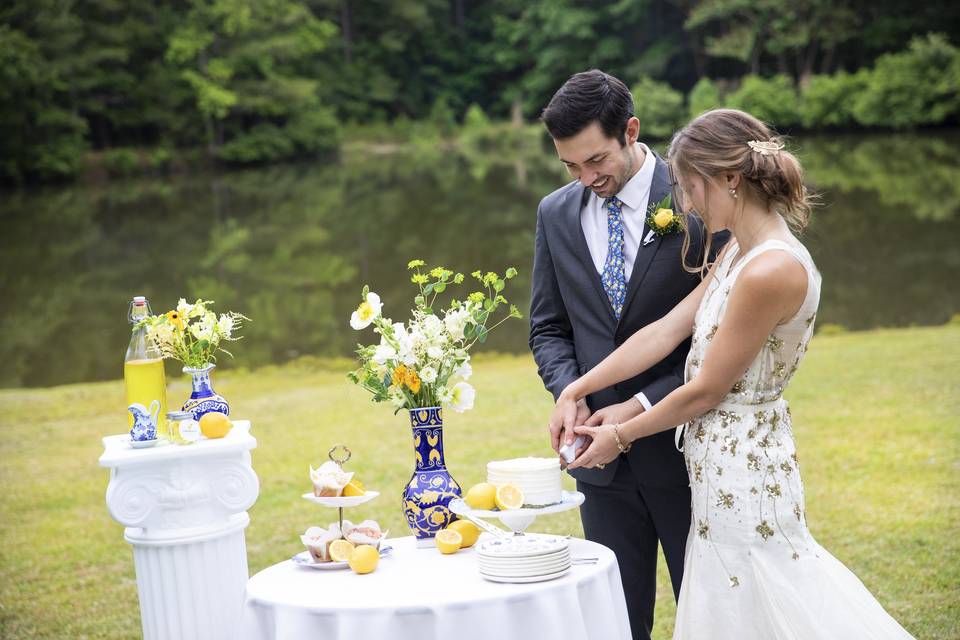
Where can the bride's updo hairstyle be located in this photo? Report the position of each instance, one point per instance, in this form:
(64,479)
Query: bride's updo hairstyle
(727,141)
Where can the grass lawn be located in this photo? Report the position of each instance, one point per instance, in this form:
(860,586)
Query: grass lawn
(876,415)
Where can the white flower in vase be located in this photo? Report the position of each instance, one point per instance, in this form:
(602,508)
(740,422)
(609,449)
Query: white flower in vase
(456,322)
(445,395)
(464,371)
(384,353)
(367,312)
(225,325)
(428,375)
(462,397)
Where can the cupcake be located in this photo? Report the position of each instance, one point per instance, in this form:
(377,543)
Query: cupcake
(329,480)
(317,541)
(367,532)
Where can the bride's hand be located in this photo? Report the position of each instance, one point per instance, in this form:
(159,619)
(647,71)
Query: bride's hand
(567,414)
(602,449)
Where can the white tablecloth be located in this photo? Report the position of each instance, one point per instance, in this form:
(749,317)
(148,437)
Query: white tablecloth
(421,594)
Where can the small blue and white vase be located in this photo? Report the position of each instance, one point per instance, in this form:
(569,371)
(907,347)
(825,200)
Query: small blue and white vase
(204,399)
(426,498)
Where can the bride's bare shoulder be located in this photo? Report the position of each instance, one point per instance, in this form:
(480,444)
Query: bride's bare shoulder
(774,275)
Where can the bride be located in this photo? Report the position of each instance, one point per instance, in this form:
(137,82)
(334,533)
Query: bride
(752,569)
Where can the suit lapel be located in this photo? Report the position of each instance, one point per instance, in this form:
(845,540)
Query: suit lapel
(580,248)
(659,187)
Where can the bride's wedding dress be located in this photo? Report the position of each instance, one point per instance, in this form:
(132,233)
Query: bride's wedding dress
(753,571)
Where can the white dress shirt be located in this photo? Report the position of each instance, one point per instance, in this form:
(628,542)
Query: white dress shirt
(635,197)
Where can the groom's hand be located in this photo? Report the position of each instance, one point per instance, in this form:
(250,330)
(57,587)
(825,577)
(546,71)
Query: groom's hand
(566,415)
(615,413)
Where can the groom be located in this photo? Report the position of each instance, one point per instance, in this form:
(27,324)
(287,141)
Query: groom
(600,273)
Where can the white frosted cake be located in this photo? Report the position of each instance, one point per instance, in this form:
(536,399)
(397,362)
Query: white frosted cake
(538,478)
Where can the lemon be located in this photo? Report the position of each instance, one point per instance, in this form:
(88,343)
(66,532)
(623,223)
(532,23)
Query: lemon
(449,541)
(482,496)
(467,530)
(354,488)
(509,496)
(364,559)
(341,550)
(215,425)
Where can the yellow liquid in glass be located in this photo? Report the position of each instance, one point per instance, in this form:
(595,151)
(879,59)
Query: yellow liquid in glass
(145,382)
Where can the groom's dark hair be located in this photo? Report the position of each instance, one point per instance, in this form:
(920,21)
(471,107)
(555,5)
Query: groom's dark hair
(590,96)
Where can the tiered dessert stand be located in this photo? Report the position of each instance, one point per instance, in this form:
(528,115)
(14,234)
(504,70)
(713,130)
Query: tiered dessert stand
(340,503)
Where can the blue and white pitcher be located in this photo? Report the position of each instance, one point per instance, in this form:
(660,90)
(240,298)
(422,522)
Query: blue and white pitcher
(144,421)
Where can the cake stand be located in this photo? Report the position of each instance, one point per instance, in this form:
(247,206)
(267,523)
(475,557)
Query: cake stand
(517,520)
(341,502)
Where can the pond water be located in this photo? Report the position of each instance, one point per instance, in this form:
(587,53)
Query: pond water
(291,246)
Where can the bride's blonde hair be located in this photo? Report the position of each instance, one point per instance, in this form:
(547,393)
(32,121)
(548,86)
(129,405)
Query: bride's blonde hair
(725,141)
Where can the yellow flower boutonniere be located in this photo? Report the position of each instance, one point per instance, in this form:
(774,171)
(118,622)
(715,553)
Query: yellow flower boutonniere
(661,218)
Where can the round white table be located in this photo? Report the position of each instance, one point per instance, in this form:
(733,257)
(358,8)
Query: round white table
(424,595)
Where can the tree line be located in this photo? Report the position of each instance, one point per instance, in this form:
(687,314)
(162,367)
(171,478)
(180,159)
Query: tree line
(254,81)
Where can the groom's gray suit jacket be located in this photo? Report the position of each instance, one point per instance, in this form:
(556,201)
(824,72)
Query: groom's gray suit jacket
(573,326)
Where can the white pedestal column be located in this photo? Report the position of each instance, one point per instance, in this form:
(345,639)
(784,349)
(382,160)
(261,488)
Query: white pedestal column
(184,507)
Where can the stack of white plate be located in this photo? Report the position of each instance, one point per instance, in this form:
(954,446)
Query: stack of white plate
(527,558)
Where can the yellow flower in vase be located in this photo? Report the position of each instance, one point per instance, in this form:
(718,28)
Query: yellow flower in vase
(174,318)
(412,381)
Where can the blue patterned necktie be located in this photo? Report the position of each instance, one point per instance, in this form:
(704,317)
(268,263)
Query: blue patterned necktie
(613,278)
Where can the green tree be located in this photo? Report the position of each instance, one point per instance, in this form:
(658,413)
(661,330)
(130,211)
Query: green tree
(798,32)
(248,64)
(37,137)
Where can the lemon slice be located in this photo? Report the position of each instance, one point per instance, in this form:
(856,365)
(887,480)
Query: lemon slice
(467,530)
(509,496)
(353,488)
(449,541)
(341,550)
(364,559)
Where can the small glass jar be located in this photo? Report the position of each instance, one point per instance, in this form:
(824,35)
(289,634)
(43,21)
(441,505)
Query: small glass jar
(183,429)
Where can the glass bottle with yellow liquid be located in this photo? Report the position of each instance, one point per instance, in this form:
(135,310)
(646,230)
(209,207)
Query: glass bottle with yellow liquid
(143,374)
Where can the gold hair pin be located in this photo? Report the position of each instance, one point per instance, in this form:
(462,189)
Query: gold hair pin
(766,147)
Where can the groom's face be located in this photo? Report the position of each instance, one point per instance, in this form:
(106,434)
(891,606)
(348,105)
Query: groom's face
(601,164)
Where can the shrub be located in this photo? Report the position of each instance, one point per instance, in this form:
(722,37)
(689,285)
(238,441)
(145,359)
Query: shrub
(704,96)
(121,162)
(658,107)
(773,100)
(912,88)
(828,100)
(475,118)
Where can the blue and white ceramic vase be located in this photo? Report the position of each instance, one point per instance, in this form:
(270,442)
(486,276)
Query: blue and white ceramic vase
(204,399)
(426,498)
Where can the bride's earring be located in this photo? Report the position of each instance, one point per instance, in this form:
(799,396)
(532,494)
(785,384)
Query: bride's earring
(733,192)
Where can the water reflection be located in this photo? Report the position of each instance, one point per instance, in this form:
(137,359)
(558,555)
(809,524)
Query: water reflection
(291,246)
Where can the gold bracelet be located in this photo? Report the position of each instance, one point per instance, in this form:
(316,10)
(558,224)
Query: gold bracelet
(616,435)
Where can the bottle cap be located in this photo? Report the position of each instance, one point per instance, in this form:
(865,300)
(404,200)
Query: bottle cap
(139,300)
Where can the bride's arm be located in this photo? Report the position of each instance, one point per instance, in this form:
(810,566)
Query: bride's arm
(642,350)
(768,291)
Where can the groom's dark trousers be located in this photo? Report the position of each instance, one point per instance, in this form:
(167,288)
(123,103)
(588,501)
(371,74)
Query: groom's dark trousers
(644,496)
